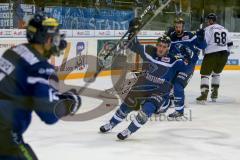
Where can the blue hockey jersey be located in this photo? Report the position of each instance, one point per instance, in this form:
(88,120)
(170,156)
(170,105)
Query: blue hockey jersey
(25,87)
(194,43)
(160,71)
(187,39)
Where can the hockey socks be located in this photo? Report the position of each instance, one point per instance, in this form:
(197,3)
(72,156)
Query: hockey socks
(117,118)
(204,89)
(120,114)
(214,86)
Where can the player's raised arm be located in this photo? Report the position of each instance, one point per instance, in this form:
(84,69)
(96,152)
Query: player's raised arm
(200,41)
(135,46)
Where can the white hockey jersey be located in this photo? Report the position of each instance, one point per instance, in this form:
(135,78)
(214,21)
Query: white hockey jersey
(217,38)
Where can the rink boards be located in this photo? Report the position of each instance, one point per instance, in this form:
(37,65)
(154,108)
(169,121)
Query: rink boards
(85,43)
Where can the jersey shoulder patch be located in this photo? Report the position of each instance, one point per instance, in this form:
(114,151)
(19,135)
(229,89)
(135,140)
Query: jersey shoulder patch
(26,54)
(6,66)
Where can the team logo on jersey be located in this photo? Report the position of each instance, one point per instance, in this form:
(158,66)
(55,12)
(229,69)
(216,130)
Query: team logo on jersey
(185,37)
(165,59)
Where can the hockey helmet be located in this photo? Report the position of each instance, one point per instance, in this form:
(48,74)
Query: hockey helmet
(40,28)
(212,16)
(164,39)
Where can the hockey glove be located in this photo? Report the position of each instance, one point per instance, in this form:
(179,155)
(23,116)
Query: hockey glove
(150,49)
(187,53)
(133,27)
(169,31)
(74,103)
(200,34)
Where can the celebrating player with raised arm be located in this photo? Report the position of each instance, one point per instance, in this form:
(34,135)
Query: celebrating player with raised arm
(195,42)
(24,87)
(152,87)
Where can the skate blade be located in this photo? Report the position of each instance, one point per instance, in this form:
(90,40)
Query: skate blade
(201,102)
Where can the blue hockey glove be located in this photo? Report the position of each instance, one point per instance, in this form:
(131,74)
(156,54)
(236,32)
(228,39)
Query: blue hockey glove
(200,34)
(186,52)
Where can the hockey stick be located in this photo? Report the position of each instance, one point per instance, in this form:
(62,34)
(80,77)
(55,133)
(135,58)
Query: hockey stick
(202,16)
(202,21)
(153,9)
(178,12)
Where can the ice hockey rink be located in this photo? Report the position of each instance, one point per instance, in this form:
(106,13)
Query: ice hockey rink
(211,131)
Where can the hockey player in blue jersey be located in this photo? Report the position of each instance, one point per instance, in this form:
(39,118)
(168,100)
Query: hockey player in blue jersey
(195,42)
(152,88)
(25,87)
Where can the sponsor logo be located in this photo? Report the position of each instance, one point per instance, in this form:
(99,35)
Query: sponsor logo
(120,33)
(157,33)
(7,45)
(79,48)
(234,62)
(104,33)
(165,59)
(154,79)
(6,66)
(19,33)
(83,33)
(185,38)
(47,71)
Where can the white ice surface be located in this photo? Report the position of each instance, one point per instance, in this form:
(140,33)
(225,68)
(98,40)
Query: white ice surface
(212,134)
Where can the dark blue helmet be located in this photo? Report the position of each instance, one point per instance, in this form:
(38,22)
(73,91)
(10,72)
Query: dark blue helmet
(40,28)
(212,16)
(164,39)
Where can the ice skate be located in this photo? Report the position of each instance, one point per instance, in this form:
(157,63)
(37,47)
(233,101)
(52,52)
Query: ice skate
(176,114)
(106,128)
(203,98)
(214,94)
(124,134)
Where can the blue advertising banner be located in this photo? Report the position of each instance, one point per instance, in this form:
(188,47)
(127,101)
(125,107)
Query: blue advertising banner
(91,18)
(234,62)
(69,17)
(6,17)
(15,16)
